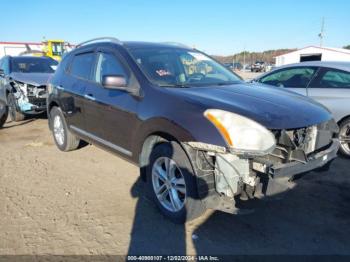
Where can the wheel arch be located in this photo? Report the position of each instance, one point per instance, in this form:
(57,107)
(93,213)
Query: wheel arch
(343,119)
(148,144)
(52,104)
(153,132)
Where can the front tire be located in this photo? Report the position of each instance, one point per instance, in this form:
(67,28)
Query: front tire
(15,115)
(64,138)
(172,183)
(3,114)
(344,137)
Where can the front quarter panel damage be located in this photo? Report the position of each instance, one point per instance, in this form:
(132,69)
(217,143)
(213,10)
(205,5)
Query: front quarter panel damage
(29,98)
(229,176)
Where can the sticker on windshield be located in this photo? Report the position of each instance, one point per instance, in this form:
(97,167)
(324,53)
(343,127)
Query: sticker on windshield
(163,72)
(199,56)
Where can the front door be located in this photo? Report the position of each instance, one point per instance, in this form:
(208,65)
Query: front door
(331,87)
(112,112)
(295,79)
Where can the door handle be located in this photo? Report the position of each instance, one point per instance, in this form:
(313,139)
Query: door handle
(90,97)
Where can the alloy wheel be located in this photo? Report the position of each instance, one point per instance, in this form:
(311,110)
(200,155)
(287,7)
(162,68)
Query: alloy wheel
(344,137)
(58,130)
(169,184)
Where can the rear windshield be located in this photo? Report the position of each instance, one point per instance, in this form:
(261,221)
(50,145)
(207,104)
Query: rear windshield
(33,65)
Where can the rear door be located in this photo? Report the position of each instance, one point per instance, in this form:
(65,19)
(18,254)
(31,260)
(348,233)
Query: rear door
(111,114)
(295,79)
(72,88)
(331,87)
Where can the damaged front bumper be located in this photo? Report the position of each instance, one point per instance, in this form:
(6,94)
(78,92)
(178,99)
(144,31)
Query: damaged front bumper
(30,99)
(223,176)
(290,169)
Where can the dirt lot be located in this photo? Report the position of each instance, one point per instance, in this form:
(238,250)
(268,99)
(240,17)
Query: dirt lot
(91,202)
(247,75)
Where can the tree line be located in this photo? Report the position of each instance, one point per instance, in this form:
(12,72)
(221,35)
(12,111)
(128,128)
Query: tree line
(250,57)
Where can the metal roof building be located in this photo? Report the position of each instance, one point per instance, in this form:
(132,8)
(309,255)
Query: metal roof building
(314,53)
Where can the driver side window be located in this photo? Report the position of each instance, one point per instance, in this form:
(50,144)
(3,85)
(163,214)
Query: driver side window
(292,77)
(108,64)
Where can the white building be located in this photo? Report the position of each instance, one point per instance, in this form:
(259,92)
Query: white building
(16,48)
(314,53)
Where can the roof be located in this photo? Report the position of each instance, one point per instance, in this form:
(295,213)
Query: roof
(332,64)
(140,44)
(333,49)
(31,57)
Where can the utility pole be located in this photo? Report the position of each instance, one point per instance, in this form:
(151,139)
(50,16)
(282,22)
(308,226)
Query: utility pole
(244,58)
(321,35)
(233,61)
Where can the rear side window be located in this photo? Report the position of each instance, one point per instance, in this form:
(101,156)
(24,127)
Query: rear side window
(82,65)
(334,79)
(108,64)
(292,77)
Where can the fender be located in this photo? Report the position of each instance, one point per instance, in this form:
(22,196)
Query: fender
(169,129)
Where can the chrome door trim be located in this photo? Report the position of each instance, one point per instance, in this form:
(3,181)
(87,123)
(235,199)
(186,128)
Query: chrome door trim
(90,97)
(102,141)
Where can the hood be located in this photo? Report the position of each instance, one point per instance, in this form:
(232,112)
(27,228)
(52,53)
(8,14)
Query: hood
(273,108)
(36,79)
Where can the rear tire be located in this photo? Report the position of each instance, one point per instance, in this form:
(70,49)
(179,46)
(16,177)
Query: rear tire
(15,115)
(177,184)
(64,139)
(344,133)
(3,113)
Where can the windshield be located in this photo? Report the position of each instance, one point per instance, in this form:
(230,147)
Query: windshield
(180,67)
(33,65)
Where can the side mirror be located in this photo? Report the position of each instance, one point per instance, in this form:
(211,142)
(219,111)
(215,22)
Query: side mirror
(114,82)
(2,73)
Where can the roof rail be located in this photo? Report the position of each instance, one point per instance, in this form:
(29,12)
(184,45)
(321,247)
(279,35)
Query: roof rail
(111,39)
(177,44)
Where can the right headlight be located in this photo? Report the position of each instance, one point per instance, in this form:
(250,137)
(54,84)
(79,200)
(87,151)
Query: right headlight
(242,135)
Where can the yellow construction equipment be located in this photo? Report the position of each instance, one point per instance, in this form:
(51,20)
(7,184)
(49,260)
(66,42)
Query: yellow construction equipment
(50,48)
(54,49)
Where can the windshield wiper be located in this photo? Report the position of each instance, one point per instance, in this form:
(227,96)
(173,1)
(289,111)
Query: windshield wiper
(227,83)
(175,85)
(187,85)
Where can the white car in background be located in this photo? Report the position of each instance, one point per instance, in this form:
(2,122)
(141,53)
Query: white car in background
(326,82)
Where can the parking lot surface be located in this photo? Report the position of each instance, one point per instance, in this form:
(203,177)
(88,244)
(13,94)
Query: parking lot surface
(91,202)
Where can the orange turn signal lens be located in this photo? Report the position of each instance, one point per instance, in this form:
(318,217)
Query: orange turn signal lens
(220,127)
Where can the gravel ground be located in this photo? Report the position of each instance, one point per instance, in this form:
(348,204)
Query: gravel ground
(90,202)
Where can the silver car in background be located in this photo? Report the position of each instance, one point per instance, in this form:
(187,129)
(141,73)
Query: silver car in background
(326,82)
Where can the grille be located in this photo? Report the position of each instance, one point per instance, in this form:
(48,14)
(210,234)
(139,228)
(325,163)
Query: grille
(299,144)
(304,138)
(36,91)
(40,102)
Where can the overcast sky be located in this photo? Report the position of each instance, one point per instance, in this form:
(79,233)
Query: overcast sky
(215,26)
